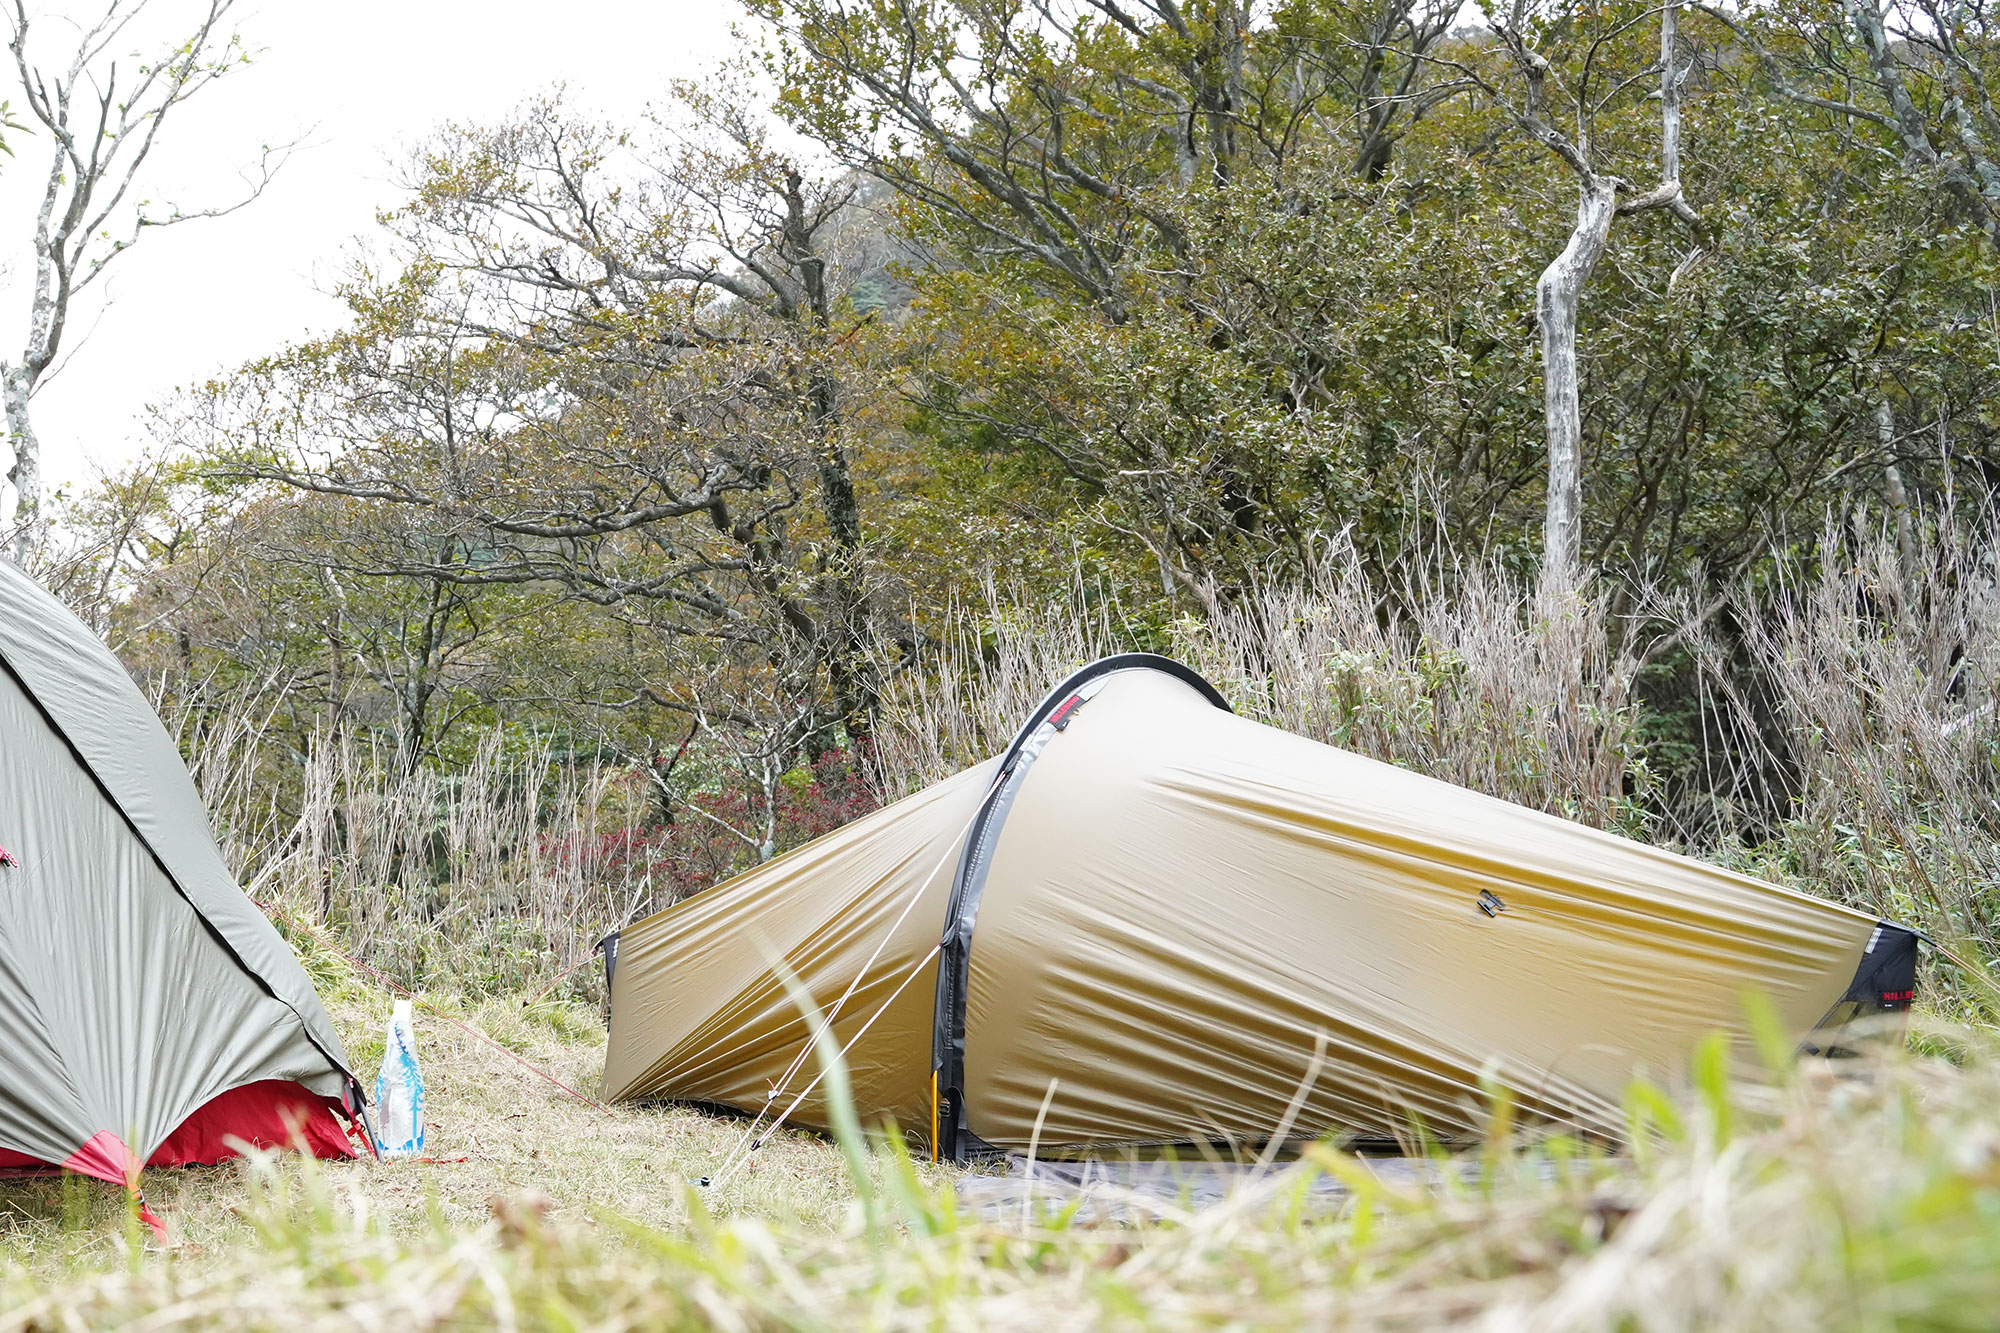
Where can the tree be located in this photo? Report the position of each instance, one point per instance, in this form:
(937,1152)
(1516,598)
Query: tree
(1602,196)
(1066,134)
(640,443)
(1915,75)
(102,127)
(1098,150)
(614,366)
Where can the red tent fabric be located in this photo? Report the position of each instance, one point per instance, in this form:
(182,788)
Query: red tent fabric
(270,1113)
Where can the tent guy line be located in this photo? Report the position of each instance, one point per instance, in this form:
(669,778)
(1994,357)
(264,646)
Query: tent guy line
(912,975)
(750,1135)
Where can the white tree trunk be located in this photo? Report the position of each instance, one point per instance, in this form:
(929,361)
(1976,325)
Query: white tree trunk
(1557,296)
(47,315)
(1899,500)
(16,382)
(1560,290)
(94,163)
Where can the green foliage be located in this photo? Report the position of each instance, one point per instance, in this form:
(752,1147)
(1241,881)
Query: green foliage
(667,501)
(1327,355)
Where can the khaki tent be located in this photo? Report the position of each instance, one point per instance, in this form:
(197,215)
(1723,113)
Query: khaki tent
(149,1014)
(1154,922)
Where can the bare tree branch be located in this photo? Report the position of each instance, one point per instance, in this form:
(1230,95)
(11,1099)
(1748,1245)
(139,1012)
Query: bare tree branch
(101,133)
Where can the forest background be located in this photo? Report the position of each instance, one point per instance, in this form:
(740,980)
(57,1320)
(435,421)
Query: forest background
(1594,404)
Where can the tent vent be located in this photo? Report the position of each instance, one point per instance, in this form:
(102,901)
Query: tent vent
(1489,903)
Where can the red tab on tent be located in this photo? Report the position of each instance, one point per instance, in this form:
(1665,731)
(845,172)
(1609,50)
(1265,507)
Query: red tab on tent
(7,858)
(104,1156)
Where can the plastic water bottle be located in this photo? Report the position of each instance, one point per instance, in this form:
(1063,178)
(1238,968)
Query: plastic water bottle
(399,1090)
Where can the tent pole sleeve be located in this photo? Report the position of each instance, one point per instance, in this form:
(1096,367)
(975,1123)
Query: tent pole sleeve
(954,1139)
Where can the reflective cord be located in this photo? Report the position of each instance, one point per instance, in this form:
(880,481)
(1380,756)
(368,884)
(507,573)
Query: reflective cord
(915,895)
(722,1178)
(751,1139)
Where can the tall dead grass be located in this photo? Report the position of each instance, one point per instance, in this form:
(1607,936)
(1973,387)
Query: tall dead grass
(1851,747)
(1848,711)
(501,875)
(1869,688)
(1483,683)
(988,667)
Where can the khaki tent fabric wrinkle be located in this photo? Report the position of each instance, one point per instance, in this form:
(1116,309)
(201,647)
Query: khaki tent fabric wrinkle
(1178,904)
(699,1013)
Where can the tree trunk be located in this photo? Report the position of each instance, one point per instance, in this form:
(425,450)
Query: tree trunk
(16,383)
(1899,509)
(856,692)
(1221,88)
(1557,296)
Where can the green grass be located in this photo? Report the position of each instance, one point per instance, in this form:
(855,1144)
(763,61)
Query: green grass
(1860,1195)
(517,1134)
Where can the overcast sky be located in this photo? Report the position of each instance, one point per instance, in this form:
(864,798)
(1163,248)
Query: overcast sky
(363,78)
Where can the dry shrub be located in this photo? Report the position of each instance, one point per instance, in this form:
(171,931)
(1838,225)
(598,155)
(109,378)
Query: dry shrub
(987,669)
(501,875)
(498,875)
(1505,690)
(1871,687)
(1487,685)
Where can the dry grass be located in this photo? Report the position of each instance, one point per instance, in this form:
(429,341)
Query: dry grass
(989,668)
(1482,683)
(1880,683)
(1847,1197)
(496,1131)
(1486,684)
(1853,1196)
(1850,725)
(499,876)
